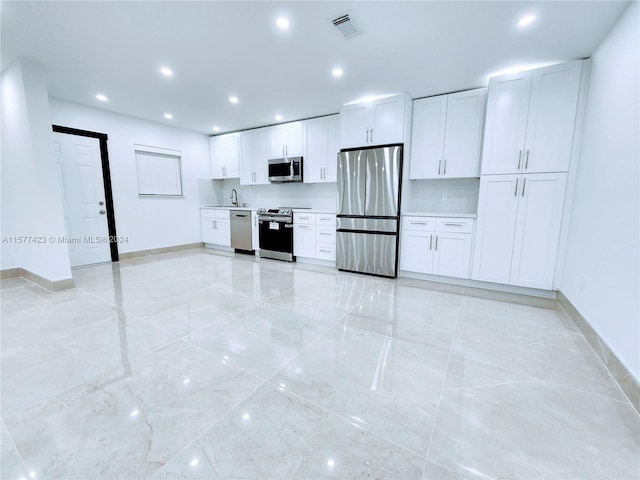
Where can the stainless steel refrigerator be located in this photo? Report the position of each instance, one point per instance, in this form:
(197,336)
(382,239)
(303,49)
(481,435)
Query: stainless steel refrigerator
(368,210)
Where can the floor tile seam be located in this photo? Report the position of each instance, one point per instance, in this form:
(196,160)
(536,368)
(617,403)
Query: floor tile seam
(538,382)
(600,360)
(15,447)
(91,385)
(396,339)
(208,427)
(491,385)
(442,389)
(345,419)
(623,400)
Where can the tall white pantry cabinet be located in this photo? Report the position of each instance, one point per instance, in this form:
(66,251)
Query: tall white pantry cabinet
(528,139)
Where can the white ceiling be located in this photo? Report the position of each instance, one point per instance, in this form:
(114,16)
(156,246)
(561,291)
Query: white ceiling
(217,49)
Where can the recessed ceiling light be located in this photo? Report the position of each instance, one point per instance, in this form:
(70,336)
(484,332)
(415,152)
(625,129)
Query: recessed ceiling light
(168,116)
(102,98)
(166,71)
(278,117)
(216,129)
(337,72)
(233,99)
(526,20)
(282,23)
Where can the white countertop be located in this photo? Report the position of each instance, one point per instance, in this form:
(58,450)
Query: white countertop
(312,210)
(218,207)
(440,214)
(295,210)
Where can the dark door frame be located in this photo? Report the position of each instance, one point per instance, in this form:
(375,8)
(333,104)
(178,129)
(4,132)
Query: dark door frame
(106,179)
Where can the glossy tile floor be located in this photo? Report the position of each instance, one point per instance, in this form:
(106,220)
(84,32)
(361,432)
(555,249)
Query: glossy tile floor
(201,366)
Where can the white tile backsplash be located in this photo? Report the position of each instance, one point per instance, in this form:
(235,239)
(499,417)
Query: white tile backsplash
(427,195)
(319,196)
(417,195)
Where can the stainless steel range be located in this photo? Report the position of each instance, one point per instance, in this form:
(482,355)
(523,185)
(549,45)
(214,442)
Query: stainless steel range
(276,233)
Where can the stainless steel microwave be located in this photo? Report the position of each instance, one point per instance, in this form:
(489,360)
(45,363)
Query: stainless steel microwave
(285,170)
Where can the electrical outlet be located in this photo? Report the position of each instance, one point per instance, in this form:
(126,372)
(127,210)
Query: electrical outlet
(583,283)
(444,197)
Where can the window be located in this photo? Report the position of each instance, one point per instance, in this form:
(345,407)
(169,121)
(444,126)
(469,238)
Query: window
(159,171)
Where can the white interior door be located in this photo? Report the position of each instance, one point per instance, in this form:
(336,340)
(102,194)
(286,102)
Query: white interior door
(80,172)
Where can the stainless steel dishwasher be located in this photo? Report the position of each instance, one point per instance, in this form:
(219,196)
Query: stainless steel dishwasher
(241,230)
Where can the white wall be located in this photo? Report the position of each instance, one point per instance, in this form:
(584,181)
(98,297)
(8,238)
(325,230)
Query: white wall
(601,260)
(31,205)
(147,222)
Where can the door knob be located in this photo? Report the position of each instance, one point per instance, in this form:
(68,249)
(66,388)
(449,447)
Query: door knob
(102,212)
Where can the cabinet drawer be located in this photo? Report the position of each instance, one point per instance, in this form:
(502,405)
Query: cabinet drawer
(326,251)
(426,224)
(304,218)
(326,219)
(326,234)
(215,213)
(459,225)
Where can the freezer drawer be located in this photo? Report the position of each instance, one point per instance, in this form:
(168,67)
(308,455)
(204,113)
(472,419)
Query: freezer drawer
(371,253)
(368,224)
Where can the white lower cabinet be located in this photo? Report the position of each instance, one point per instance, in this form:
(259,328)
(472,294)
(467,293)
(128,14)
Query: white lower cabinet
(216,227)
(304,240)
(519,219)
(314,236)
(439,246)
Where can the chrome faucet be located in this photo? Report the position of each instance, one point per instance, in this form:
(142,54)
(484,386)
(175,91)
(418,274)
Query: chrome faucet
(234,197)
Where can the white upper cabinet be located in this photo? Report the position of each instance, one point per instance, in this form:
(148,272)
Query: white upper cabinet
(519,220)
(377,122)
(225,156)
(552,117)
(447,135)
(286,140)
(427,137)
(253,157)
(530,120)
(321,145)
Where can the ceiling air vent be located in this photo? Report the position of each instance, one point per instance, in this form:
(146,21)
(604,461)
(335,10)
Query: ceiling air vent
(346,25)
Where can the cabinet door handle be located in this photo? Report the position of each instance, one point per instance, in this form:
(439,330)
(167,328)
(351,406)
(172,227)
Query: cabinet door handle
(524,184)
(444,172)
(454,224)
(436,243)
(367,140)
(430,242)
(324,233)
(303,226)
(286,150)
(515,194)
(418,223)
(526,162)
(439,166)
(372,135)
(519,159)
(325,251)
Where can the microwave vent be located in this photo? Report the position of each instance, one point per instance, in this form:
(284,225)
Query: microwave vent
(346,25)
